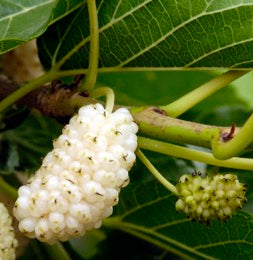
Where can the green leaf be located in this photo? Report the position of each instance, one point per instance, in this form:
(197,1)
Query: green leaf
(63,8)
(23,147)
(22,20)
(147,211)
(158,33)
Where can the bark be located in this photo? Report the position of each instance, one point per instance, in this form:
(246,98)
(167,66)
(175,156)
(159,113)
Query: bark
(51,100)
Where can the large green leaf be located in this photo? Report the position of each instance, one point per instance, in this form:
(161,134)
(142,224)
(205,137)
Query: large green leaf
(147,210)
(158,33)
(24,20)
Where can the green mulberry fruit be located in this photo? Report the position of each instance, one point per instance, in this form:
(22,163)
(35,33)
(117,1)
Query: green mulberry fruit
(217,197)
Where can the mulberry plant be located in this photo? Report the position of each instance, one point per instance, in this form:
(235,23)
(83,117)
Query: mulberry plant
(105,147)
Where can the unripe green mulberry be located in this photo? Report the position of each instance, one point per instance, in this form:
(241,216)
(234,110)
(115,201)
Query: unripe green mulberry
(80,179)
(203,199)
(8,243)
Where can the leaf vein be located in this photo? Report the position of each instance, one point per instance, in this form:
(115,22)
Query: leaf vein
(155,43)
(222,243)
(138,207)
(172,223)
(217,50)
(116,9)
(7,27)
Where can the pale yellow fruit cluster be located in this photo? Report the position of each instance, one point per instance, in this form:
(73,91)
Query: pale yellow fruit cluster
(8,243)
(208,198)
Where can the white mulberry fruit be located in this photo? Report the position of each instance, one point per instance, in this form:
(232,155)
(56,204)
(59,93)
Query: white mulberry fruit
(80,179)
(8,243)
(203,199)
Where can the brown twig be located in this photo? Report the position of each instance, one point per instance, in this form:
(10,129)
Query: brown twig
(51,101)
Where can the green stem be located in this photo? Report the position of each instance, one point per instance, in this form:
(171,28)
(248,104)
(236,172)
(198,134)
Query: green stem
(27,88)
(194,155)
(7,189)
(156,173)
(222,150)
(57,251)
(170,129)
(78,101)
(91,76)
(105,91)
(189,100)
(64,73)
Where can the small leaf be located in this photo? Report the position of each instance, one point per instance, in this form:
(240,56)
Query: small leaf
(158,33)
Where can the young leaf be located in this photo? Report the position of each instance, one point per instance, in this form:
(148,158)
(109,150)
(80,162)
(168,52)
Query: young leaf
(158,33)
(23,20)
(148,211)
